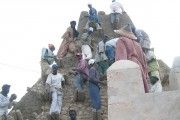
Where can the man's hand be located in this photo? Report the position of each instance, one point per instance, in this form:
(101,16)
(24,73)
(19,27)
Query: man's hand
(73,69)
(47,88)
(103,83)
(72,72)
(13,97)
(14,103)
(100,53)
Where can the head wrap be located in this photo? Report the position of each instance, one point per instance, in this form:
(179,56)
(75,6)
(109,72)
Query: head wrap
(54,66)
(51,46)
(153,79)
(73,22)
(5,87)
(90,29)
(91,61)
(89,4)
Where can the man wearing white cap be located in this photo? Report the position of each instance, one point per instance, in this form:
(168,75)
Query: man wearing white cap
(94,88)
(116,10)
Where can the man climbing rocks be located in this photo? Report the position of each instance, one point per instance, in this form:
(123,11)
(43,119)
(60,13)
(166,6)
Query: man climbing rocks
(94,88)
(156,84)
(101,58)
(81,73)
(153,66)
(110,50)
(6,103)
(142,37)
(128,49)
(54,84)
(68,43)
(116,10)
(93,20)
(47,59)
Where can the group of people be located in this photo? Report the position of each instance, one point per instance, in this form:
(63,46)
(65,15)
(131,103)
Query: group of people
(132,44)
(88,69)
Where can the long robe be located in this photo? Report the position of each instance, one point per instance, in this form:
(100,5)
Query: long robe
(68,43)
(128,49)
(94,89)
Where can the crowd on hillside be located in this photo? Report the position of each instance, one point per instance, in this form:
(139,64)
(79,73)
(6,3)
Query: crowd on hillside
(132,44)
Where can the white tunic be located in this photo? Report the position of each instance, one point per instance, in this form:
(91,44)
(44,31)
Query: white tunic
(112,42)
(55,81)
(157,87)
(4,104)
(55,84)
(86,51)
(116,7)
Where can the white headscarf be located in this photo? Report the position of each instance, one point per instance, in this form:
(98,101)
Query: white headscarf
(91,61)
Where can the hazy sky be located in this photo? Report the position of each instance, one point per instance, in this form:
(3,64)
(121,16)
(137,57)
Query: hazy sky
(28,25)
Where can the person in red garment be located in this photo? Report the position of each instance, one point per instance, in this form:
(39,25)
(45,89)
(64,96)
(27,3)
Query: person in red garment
(128,49)
(68,43)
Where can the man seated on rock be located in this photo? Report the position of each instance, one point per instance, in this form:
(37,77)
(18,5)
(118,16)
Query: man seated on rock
(110,46)
(101,58)
(86,47)
(81,73)
(54,84)
(156,84)
(116,10)
(68,43)
(6,102)
(128,49)
(47,59)
(93,20)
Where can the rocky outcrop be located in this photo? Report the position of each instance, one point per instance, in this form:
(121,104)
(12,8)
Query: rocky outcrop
(164,71)
(35,106)
(174,76)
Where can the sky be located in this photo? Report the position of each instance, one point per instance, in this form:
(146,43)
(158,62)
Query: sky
(26,26)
